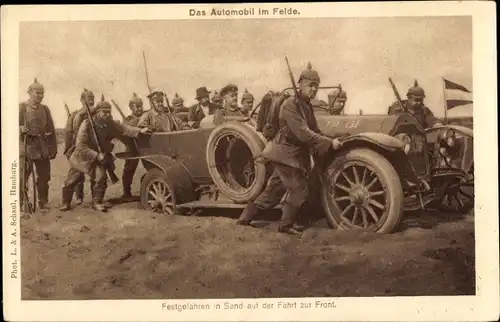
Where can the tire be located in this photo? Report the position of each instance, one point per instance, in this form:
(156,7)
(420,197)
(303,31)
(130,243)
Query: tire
(376,193)
(157,178)
(232,164)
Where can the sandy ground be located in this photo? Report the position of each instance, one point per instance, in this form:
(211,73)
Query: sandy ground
(129,253)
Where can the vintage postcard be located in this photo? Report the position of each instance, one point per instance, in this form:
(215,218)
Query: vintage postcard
(250,162)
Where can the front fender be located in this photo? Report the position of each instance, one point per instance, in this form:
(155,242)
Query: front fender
(463,130)
(382,140)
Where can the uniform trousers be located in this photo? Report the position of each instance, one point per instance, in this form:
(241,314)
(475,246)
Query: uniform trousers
(42,168)
(98,179)
(128,175)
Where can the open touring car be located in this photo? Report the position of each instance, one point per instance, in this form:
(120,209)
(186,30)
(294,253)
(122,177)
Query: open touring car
(388,164)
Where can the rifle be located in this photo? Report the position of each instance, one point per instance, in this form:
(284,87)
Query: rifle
(109,171)
(67,110)
(292,79)
(119,110)
(396,93)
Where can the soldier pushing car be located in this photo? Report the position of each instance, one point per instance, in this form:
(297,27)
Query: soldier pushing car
(136,107)
(72,125)
(38,145)
(289,153)
(92,155)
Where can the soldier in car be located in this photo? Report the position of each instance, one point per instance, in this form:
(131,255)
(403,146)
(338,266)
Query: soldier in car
(336,101)
(290,153)
(247,101)
(415,106)
(136,107)
(179,109)
(159,118)
(73,124)
(230,108)
(203,108)
(37,142)
(86,158)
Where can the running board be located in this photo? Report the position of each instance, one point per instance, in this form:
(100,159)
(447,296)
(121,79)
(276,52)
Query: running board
(222,204)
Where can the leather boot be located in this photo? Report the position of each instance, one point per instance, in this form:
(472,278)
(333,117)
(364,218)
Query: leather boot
(67,195)
(248,213)
(99,207)
(287,223)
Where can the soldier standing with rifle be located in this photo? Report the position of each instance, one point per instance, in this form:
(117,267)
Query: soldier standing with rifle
(37,144)
(92,154)
(289,153)
(73,123)
(136,106)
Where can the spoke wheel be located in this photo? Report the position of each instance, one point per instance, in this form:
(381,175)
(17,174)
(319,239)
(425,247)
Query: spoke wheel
(362,192)
(459,194)
(157,194)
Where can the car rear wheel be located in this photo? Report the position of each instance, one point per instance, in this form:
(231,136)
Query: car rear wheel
(361,191)
(156,193)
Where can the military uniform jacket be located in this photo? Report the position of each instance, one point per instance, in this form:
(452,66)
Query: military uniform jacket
(84,158)
(298,137)
(423,115)
(222,113)
(42,142)
(70,132)
(131,120)
(196,113)
(160,122)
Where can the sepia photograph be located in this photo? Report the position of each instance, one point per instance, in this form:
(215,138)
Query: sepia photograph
(249,159)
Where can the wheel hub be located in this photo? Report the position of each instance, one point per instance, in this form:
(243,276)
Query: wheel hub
(359,195)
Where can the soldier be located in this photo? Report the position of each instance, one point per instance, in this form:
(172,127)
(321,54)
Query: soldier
(136,107)
(87,160)
(216,99)
(204,107)
(415,106)
(159,118)
(229,94)
(247,100)
(336,101)
(73,123)
(179,109)
(289,153)
(37,142)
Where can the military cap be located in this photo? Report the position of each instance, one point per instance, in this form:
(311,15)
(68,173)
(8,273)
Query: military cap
(155,92)
(227,89)
(103,105)
(35,86)
(135,100)
(416,91)
(309,74)
(86,93)
(247,96)
(177,99)
(202,92)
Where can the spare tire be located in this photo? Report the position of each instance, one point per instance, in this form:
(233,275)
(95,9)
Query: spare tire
(231,154)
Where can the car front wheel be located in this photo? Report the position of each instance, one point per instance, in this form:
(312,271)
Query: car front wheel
(156,193)
(361,191)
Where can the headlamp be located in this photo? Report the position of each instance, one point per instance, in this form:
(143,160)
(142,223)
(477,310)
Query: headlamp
(448,137)
(406,142)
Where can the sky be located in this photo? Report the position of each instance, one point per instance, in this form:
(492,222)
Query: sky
(182,55)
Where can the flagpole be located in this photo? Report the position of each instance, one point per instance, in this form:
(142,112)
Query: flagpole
(445,105)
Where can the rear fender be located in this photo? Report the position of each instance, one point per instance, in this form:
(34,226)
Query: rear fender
(179,177)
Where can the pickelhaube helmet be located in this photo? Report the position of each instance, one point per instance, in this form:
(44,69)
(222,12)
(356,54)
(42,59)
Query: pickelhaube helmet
(338,93)
(135,100)
(247,96)
(35,86)
(103,105)
(177,100)
(216,97)
(86,93)
(309,74)
(416,91)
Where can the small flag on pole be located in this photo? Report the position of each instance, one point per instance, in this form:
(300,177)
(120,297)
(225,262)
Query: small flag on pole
(455,94)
